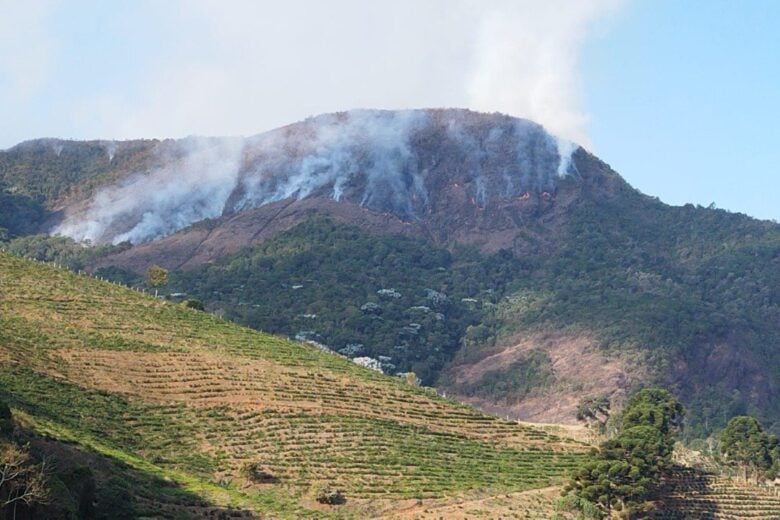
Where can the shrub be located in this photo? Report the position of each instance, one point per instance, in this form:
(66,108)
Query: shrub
(330,496)
(194,303)
(258,473)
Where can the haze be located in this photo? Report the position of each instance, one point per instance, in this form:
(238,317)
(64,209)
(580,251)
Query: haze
(681,100)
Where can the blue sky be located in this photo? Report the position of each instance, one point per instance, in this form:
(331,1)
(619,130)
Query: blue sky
(685,101)
(681,98)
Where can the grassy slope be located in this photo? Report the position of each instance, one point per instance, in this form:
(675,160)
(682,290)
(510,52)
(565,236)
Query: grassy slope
(177,393)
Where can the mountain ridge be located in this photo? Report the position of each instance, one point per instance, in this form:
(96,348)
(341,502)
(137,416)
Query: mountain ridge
(682,293)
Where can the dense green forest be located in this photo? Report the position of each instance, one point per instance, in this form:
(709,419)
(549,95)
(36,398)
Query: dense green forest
(46,169)
(19,215)
(392,298)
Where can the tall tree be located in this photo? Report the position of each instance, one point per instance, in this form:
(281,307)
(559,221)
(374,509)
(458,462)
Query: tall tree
(744,443)
(622,473)
(654,407)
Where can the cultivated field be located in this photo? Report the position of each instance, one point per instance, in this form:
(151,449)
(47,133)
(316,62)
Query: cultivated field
(192,402)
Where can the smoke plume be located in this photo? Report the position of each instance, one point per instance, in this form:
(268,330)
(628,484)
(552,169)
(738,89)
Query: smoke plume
(526,61)
(198,176)
(259,65)
(387,161)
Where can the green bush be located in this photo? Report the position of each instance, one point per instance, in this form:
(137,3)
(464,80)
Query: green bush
(331,496)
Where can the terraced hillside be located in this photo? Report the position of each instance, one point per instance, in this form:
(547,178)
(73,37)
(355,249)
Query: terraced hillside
(690,493)
(195,402)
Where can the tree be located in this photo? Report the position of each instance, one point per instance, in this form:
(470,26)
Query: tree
(654,407)
(621,474)
(744,443)
(774,444)
(156,276)
(21,480)
(594,409)
(194,303)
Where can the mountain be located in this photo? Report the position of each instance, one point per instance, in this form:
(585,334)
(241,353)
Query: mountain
(449,175)
(510,268)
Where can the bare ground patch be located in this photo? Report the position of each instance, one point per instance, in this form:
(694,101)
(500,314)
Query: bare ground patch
(580,368)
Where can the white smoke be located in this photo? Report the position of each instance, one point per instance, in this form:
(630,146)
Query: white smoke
(197,179)
(374,144)
(259,65)
(111,148)
(377,159)
(526,61)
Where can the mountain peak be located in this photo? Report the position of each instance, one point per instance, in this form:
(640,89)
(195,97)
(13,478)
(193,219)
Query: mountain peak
(408,163)
(395,161)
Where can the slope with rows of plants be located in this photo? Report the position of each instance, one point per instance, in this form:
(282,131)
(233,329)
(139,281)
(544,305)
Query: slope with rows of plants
(231,417)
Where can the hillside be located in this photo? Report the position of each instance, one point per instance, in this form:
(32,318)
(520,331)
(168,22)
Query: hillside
(181,405)
(635,293)
(552,278)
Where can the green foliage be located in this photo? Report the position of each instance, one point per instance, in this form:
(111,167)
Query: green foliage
(175,455)
(569,505)
(712,408)
(63,250)
(393,298)
(654,407)
(155,276)
(47,169)
(19,215)
(193,303)
(119,275)
(670,282)
(743,442)
(622,474)
(635,273)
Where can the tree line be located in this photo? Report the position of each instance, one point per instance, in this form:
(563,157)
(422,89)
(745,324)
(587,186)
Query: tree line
(623,476)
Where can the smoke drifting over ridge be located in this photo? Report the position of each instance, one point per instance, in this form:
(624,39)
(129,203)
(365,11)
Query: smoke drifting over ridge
(387,161)
(518,57)
(198,176)
(526,61)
